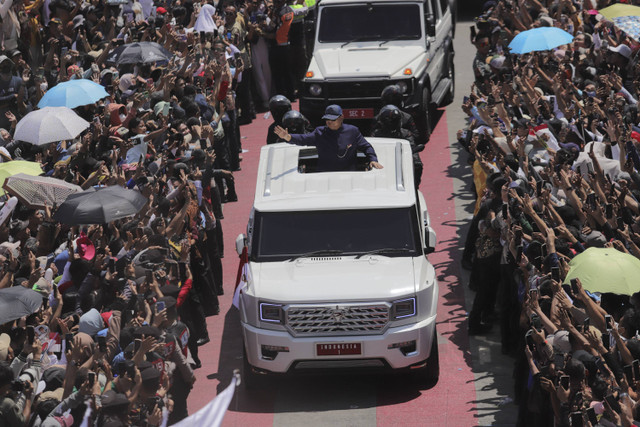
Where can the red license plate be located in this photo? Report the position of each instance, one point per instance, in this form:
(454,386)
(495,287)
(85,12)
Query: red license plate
(339,349)
(358,113)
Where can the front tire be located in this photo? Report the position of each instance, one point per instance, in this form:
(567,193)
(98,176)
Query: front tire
(426,115)
(251,379)
(429,374)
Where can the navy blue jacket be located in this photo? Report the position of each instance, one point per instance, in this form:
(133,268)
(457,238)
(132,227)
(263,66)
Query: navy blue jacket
(337,150)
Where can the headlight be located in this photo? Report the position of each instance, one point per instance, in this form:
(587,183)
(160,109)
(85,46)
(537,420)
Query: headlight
(315,89)
(403,86)
(270,312)
(403,308)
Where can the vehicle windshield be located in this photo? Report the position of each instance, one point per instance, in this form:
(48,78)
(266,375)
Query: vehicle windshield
(367,22)
(282,236)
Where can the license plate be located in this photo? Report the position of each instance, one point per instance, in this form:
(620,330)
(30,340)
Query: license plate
(339,349)
(358,113)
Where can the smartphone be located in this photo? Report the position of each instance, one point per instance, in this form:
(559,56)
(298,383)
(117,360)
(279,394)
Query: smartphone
(149,276)
(68,338)
(609,210)
(543,250)
(160,305)
(31,334)
(636,368)
(586,323)
(591,200)
(564,382)
(606,340)
(539,187)
(577,420)
(628,372)
(574,286)
(591,414)
(601,367)
(535,322)
(620,223)
(182,270)
(567,289)
(518,235)
(130,368)
(555,273)
(505,211)
(519,254)
(102,344)
(111,265)
(613,403)
(533,293)
(609,322)
(529,339)
(136,344)
(91,377)
(63,51)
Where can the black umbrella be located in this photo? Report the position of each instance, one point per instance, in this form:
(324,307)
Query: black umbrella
(100,206)
(17,302)
(139,53)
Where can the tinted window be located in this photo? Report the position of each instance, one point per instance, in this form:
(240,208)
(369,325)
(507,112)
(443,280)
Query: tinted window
(282,235)
(370,22)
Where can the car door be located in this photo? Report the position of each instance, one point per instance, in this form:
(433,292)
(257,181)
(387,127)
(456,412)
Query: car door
(436,46)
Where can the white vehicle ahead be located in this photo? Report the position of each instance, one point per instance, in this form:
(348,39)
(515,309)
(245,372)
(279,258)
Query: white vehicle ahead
(362,47)
(338,274)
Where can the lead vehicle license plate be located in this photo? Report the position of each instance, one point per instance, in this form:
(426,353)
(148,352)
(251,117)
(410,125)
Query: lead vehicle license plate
(358,113)
(339,349)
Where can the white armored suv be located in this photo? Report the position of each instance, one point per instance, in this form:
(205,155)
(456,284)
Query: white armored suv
(338,275)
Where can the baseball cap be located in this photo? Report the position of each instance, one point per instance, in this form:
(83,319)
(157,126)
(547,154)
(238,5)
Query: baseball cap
(162,107)
(332,112)
(622,49)
(4,58)
(55,21)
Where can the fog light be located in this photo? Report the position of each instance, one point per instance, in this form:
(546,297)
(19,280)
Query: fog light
(269,352)
(315,89)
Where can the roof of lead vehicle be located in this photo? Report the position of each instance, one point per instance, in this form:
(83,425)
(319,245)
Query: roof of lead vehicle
(281,187)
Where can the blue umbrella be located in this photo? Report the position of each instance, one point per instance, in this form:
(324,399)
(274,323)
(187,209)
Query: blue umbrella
(538,39)
(72,94)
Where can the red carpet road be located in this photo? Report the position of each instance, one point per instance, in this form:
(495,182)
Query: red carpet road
(353,400)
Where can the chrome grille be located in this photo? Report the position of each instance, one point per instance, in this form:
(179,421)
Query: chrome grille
(337,320)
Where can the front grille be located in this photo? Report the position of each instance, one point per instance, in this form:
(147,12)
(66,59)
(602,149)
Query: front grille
(337,320)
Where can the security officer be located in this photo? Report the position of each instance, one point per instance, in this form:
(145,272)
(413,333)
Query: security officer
(295,122)
(337,143)
(297,42)
(392,95)
(278,105)
(389,125)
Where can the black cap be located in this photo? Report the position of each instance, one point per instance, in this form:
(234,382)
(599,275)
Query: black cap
(170,291)
(168,301)
(111,399)
(150,374)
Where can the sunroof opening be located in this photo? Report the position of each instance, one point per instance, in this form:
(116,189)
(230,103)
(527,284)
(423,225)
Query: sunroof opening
(308,161)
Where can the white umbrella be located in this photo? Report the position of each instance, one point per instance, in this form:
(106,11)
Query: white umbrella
(35,191)
(50,124)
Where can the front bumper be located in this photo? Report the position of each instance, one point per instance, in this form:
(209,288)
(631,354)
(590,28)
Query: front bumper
(374,347)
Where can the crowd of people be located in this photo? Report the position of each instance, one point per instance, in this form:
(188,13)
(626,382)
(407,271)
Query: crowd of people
(124,304)
(553,145)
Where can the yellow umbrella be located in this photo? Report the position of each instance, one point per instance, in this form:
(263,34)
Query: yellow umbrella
(618,10)
(606,270)
(14,167)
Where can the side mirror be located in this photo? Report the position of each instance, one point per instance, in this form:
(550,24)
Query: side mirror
(430,240)
(240,243)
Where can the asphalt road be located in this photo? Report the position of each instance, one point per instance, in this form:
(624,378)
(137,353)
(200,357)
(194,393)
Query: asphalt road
(475,378)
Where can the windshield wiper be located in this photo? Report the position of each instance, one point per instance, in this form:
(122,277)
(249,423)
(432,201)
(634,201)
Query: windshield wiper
(361,39)
(399,37)
(317,253)
(384,251)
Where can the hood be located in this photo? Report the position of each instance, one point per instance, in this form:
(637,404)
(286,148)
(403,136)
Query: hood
(327,279)
(384,61)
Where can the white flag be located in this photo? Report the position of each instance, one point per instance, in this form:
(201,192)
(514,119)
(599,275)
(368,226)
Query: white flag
(213,413)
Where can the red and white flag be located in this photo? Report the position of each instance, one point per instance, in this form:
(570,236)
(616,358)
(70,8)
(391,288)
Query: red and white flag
(242,278)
